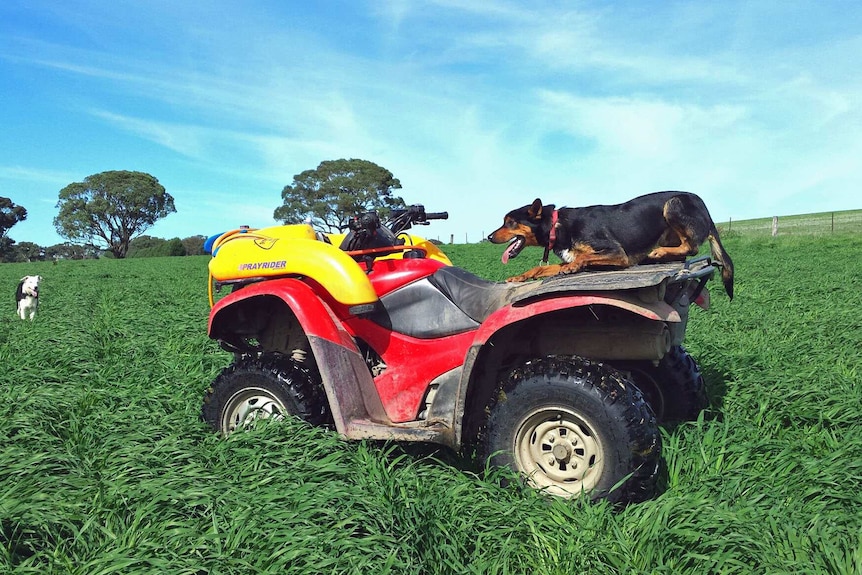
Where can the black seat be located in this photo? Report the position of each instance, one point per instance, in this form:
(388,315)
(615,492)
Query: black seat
(475,296)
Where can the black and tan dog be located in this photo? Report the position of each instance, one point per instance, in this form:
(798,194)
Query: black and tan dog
(658,227)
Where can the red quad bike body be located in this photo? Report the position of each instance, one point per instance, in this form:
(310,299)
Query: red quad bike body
(563,380)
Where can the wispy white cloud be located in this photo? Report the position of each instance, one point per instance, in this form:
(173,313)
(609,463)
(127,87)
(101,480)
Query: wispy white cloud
(184,139)
(640,128)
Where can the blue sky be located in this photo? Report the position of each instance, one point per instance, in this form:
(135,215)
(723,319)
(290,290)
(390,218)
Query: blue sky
(477,106)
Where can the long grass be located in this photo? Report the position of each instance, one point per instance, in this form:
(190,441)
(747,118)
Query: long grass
(105,466)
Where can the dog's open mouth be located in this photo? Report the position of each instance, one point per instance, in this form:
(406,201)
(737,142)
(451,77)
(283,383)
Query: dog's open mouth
(514,248)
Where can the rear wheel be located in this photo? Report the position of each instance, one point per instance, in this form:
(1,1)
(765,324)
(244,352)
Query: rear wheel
(265,387)
(674,388)
(573,427)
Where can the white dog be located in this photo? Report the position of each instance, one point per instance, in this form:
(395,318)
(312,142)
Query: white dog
(27,296)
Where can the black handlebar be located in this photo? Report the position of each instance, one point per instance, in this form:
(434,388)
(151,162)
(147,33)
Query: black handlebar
(366,229)
(402,219)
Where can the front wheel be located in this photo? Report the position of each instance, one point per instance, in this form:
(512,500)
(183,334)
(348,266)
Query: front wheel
(264,387)
(573,427)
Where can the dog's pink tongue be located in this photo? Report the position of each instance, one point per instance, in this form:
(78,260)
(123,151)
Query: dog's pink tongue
(505,258)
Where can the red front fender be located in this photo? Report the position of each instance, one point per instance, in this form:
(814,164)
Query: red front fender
(315,317)
(345,377)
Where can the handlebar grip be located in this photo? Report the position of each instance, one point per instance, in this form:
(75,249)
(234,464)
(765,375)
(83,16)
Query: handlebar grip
(437,215)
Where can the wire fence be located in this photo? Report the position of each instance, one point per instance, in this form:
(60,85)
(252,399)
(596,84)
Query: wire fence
(807,224)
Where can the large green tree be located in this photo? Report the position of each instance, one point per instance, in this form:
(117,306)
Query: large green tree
(336,191)
(109,209)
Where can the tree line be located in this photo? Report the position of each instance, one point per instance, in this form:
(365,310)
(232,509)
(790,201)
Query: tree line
(107,213)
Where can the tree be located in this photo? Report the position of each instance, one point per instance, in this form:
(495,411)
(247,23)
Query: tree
(194,245)
(7,250)
(111,208)
(29,252)
(336,191)
(10,214)
(174,247)
(69,251)
(145,247)
(150,247)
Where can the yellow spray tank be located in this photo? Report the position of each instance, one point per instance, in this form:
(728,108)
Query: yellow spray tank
(284,251)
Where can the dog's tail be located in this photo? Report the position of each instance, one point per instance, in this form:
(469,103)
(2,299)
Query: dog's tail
(721,256)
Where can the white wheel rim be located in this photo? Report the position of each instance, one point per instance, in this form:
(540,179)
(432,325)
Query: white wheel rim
(558,451)
(248,405)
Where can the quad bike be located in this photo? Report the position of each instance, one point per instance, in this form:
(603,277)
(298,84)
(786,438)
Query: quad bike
(376,334)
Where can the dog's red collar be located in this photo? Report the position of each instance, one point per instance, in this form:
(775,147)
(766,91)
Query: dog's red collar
(552,239)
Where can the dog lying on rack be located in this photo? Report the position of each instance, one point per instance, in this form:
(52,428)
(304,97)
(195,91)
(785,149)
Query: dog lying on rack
(657,227)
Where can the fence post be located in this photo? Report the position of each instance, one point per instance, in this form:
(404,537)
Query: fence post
(774,226)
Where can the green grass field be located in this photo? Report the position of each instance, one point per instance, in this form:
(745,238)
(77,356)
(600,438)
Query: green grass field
(105,466)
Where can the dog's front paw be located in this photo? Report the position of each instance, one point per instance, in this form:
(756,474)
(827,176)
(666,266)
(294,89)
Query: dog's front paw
(657,254)
(516,279)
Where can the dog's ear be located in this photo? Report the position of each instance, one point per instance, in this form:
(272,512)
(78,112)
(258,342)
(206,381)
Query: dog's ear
(535,210)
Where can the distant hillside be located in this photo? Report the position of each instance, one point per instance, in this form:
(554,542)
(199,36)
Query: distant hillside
(821,223)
